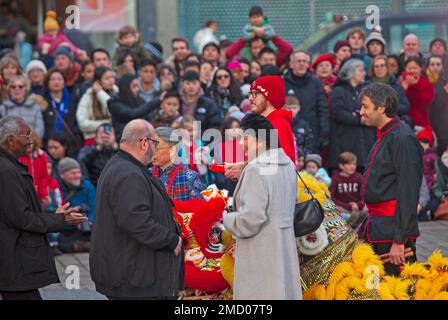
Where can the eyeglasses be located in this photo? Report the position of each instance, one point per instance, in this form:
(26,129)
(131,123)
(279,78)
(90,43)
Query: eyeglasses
(226,76)
(378,66)
(26,136)
(20,86)
(253,94)
(156,143)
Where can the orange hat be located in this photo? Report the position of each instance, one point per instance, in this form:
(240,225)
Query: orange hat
(426,134)
(273,88)
(51,24)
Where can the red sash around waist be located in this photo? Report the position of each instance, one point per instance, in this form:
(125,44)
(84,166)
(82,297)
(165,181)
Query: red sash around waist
(382,209)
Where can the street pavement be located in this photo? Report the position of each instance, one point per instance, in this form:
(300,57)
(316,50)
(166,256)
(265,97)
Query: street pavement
(434,235)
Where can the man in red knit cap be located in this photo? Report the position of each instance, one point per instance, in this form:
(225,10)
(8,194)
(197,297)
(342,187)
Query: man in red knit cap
(267,97)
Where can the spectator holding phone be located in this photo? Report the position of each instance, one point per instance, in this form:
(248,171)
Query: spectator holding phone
(94,158)
(92,108)
(419,90)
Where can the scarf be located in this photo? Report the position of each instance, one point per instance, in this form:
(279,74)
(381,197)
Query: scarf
(61,108)
(385,80)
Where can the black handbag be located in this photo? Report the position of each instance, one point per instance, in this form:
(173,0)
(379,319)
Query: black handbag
(308,215)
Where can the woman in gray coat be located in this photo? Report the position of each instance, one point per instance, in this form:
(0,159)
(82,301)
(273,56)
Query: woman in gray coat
(20,104)
(266,261)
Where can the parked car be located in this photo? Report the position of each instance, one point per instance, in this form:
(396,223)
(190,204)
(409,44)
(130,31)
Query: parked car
(394,28)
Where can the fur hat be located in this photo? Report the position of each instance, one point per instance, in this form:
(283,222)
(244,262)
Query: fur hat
(273,88)
(51,24)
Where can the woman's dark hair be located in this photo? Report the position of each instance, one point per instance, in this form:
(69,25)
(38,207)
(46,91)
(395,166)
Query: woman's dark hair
(125,92)
(234,94)
(415,59)
(399,64)
(49,74)
(165,67)
(84,65)
(227,124)
(260,126)
(97,109)
(63,140)
(123,56)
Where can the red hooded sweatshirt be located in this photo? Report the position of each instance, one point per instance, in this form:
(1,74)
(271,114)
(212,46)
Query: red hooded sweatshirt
(282,121)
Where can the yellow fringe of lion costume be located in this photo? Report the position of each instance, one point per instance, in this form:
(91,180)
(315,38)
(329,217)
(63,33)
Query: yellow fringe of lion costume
(360,275)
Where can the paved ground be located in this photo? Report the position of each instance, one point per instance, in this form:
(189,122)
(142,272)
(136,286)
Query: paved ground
(434,235)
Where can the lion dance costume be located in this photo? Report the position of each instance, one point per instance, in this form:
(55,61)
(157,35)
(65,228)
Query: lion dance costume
(334,265)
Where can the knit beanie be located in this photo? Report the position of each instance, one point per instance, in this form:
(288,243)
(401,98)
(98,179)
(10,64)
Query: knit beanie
(64,50)
(35,64)
(314,158)
(155,49)
(67,164)
(273,88)
(51,24)
(377,37)
(339,44)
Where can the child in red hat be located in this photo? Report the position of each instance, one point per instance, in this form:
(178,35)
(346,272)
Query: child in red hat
(426,139)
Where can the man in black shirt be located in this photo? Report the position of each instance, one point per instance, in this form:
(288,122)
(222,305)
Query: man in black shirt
(392,180)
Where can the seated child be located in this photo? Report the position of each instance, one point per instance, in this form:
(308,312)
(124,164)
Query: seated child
(129,39)
(258,25)
(426,139)
(303,133)
(313,165)
(346,190)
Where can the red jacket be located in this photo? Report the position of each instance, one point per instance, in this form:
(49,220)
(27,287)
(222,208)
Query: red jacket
(282,121)
(37,167)
(420,96)
(284,49)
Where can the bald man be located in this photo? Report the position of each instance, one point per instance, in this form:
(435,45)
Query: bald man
(136,248)
(411,47)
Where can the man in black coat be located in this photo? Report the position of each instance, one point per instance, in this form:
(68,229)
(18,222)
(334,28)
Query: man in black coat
(27,261)
(310,92)
(135,248)
(391,182)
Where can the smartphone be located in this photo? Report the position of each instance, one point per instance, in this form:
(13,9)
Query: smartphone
(107,128)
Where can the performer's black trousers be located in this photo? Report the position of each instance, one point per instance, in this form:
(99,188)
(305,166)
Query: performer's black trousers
(389,268)
(22,295)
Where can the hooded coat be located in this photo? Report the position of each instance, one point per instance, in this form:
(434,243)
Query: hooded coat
(282,121)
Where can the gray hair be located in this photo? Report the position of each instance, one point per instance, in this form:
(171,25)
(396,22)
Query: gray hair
(9,126)
(348,69)
(135,130)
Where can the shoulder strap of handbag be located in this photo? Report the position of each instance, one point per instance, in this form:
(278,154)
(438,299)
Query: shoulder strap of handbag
(306,187)
(70,132)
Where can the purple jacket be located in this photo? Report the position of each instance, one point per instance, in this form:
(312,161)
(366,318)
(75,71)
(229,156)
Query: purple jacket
(429,168)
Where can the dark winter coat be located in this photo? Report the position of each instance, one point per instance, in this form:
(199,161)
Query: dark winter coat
(439,114)
(346,131)
(311,95)
(304,135)
(122,112)
(207,113)
(27,261)
(134,234)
